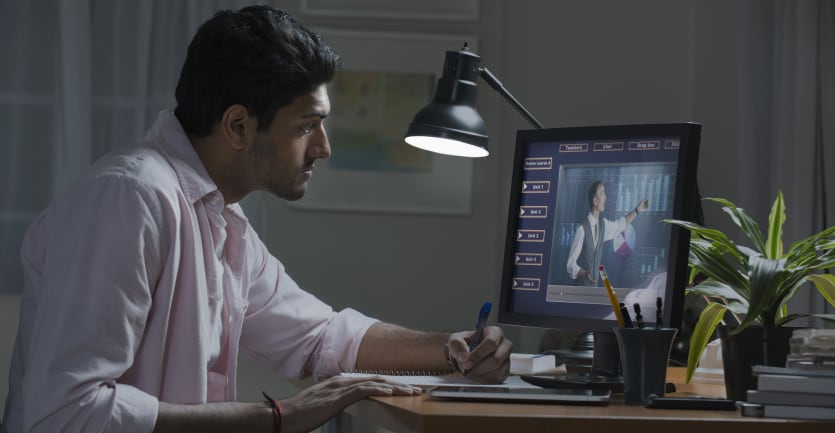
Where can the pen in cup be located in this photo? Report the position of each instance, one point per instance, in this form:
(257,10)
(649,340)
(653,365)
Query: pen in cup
(627,320)
(612,297)
(659,312)
(639,319)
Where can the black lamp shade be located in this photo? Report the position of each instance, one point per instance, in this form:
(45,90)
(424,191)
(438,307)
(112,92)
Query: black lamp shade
(450,124)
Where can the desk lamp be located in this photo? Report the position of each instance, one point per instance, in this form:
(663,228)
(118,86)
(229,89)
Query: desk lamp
(450,124)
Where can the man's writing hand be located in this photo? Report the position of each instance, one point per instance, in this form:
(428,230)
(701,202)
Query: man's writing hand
(489,362)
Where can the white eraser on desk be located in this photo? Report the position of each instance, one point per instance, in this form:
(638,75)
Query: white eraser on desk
(529,363)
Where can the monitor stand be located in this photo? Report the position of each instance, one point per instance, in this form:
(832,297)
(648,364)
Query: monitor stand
(593,362)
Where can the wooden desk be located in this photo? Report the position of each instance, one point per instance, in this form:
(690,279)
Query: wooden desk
(419,414)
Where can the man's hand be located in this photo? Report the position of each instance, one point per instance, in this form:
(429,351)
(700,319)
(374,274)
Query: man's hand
(642,206)
(582,273)
(300,413)
(314,405)
(489,362)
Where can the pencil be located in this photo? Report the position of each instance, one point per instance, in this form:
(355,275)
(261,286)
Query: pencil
(612,298)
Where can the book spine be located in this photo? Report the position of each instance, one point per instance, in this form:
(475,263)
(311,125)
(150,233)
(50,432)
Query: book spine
(822,372)
(791,398)
(798,412)
(775,382)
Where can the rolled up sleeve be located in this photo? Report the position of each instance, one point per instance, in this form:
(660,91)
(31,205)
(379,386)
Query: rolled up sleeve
(293,331)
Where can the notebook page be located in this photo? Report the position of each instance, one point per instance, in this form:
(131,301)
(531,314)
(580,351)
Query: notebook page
(428,381)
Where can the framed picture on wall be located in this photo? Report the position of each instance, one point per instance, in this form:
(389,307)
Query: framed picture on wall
(384,80)
(452,10)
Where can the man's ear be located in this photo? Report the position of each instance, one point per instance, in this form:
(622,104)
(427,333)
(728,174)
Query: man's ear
(237,127)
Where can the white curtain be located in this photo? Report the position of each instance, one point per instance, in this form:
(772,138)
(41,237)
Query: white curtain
(788,118)
(80,78)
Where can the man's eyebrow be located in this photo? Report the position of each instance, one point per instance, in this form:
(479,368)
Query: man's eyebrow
(318,114)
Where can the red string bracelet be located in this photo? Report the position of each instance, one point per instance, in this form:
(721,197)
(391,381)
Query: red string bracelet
(276,407)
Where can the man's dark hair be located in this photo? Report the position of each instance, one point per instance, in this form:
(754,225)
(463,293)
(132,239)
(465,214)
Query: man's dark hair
(259,57)
(593,192)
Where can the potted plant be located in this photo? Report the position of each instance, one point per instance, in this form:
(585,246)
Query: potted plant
(754,284)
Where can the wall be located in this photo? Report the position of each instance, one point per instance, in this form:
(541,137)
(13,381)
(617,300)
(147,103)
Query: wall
(571,63)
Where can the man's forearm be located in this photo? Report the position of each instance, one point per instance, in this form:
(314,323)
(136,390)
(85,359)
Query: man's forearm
(213,417)
(631,215)
(390,347)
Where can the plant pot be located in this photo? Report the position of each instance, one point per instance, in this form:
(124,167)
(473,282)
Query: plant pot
(753,346)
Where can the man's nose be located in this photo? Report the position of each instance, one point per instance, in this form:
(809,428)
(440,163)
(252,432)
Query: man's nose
(322,147)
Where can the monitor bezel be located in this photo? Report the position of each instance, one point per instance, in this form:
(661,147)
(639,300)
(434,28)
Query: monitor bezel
(685,207)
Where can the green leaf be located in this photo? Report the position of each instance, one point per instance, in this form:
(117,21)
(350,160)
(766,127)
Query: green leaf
(693,273)
(713,236)
(713,264)
(813,244)
(764,278)
(739,308)
(710,317)
(715,289)
(827,317)
(748,252)
(774,243)
(789,318)
(791,282)
(826,286)
(745,222)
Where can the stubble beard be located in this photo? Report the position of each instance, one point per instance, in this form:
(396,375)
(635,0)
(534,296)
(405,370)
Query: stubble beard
(263,157)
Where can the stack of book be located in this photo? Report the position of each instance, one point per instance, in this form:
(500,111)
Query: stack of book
(805,388)
(812,348)
(795,392)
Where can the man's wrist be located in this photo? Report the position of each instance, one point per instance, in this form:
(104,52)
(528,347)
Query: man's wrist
(275,411)
(450,360)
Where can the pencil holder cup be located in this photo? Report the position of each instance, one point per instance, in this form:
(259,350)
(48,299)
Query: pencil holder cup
(644,353)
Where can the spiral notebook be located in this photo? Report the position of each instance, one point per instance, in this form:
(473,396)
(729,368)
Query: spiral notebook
(429,379)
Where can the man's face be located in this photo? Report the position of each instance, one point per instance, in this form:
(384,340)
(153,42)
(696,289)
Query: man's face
(600,198)
(282,156)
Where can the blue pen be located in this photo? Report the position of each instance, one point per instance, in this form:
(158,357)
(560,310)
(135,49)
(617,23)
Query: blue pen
(479,326)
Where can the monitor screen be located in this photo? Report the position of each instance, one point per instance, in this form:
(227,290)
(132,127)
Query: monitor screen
(589,196)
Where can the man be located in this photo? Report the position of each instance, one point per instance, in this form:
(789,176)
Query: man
(586,251)
(144,278)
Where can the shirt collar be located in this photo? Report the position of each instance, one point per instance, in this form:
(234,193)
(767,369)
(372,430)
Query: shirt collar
(167,134)
(169,137)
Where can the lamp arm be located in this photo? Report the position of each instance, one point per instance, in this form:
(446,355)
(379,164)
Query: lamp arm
(497,86)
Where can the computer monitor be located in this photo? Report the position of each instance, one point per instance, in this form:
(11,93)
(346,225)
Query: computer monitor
(572,207)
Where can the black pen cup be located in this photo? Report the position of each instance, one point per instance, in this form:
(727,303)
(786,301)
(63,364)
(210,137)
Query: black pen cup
(644,353)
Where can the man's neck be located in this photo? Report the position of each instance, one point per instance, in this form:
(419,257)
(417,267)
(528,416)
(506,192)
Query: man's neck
(218,166)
